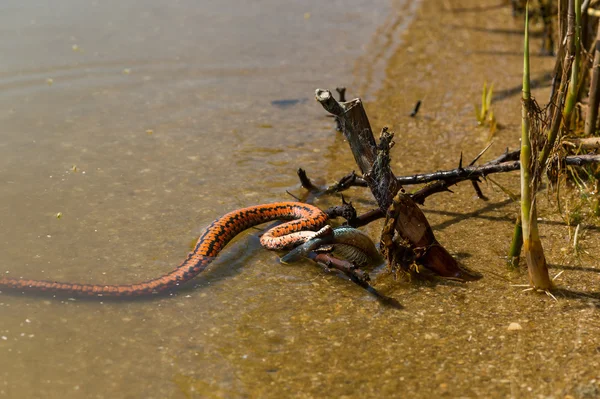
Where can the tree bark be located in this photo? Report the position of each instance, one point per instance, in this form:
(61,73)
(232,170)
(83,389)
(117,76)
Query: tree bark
(374,163)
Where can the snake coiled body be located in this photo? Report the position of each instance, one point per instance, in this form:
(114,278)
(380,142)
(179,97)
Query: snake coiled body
(346,242)
(303,218)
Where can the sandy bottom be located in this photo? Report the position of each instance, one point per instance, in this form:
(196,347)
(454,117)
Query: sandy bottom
(463,346)
(163,145)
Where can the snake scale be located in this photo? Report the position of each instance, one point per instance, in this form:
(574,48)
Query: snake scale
(303,220)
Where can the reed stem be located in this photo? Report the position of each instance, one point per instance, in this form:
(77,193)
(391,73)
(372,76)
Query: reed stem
(532,245)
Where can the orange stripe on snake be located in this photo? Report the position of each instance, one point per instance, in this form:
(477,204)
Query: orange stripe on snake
(303,218)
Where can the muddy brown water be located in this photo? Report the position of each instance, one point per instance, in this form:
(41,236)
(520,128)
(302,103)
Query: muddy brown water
(141,122)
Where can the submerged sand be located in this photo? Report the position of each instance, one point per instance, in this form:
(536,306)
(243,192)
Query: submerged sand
(488,338)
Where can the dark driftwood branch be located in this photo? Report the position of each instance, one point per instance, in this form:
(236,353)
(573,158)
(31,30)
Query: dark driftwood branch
(349,213)
(354,180)
(342,93)
(513,155)
(367,217)
(346,211)
(469,172)
(456,176)
(447,178)
(350,180)
(357,130)
(374,163)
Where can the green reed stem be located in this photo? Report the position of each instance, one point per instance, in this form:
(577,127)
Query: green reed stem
(534,253)
(516,245)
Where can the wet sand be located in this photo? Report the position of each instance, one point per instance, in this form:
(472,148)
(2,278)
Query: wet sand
(457,342)
(251,327)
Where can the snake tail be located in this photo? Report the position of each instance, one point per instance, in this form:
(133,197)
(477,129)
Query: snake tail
(303,218)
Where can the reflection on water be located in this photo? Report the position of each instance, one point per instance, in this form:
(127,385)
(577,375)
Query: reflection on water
(140,122)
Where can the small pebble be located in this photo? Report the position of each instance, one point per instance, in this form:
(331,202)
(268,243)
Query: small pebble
(514,327)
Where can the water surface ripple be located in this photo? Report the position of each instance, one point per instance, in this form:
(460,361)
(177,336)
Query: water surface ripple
(140,122)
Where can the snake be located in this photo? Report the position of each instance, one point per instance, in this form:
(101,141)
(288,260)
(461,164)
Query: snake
(343,241)
(302,220)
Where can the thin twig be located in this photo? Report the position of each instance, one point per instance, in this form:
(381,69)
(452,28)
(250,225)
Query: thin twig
(453,176)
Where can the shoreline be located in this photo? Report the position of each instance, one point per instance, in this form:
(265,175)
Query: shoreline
(446,55)
(370,69)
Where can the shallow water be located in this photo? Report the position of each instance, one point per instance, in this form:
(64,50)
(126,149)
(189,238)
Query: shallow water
(141,122)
